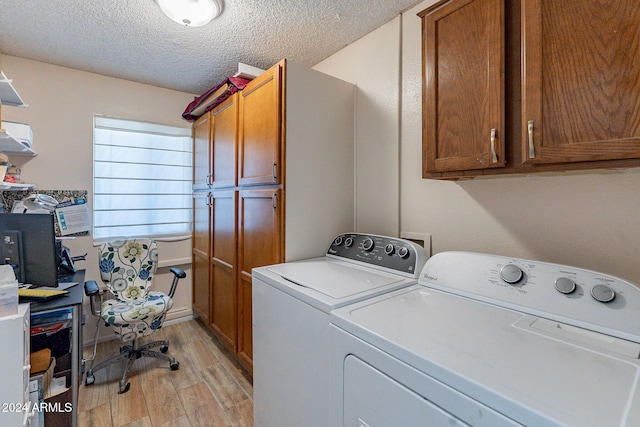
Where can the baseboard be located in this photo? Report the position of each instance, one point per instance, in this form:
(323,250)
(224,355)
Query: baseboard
(173,316)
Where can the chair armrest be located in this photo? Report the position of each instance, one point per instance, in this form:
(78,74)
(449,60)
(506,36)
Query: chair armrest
(178,274)
(91,288)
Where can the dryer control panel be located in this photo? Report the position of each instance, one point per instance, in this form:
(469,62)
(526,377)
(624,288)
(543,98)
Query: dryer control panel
(575,296)
(391,253)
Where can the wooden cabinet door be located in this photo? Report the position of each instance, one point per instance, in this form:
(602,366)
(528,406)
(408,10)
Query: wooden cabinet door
(224,315)
(260,129)
(260,241)
(202,153)
(463,81)
(581,85)
(201,255)
(225,143)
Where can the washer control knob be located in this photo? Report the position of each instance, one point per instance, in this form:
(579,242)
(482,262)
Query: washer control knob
(565,285)
(368,244)
(389,249)
(348,242)
(603,293)
(511,274)
(403,252)
(338,241)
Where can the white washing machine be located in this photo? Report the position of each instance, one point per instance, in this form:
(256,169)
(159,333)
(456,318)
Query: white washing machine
(485,340)
(291,305)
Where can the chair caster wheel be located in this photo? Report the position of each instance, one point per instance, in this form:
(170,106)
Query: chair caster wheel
(124,387)
(90,379)
(164,348)
(175,366)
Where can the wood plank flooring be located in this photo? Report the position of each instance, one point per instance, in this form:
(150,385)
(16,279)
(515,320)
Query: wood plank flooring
(210,388)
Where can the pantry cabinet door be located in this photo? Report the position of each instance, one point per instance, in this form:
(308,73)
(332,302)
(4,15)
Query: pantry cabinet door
(202,153)
(260,243)
(224,315)
(225,143)
(581,85)
(463,81)
(261,129)
(201,291)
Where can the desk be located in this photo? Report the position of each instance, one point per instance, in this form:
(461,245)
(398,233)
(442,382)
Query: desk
(74,300)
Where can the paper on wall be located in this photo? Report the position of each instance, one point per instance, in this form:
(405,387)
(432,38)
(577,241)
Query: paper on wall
(73,217)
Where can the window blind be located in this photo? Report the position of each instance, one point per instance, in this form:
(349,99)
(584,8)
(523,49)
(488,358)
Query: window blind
(141,179)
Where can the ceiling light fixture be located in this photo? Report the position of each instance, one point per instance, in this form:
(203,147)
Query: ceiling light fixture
(192,13)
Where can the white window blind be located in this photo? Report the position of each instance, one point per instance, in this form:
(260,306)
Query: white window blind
(141,179)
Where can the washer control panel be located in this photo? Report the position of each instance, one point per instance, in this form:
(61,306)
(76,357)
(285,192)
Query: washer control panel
(383,252)
(571,295)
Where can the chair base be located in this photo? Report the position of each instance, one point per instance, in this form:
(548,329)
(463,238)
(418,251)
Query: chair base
(132,353)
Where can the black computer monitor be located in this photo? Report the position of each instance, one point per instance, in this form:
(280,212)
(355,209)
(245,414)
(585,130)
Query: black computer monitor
(29,243)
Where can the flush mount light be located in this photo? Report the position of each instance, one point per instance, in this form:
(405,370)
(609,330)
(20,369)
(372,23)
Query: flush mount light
(192,13)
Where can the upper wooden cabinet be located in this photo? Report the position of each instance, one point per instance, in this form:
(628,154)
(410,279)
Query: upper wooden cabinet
(463,99)
(260,129)
(202,152)
(553,84)
(581,80)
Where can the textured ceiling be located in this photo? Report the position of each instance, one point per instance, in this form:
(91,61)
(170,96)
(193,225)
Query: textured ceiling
(133,40)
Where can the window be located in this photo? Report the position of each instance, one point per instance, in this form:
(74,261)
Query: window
(141,179)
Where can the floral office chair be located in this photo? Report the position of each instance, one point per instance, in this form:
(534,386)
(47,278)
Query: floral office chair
(127,268)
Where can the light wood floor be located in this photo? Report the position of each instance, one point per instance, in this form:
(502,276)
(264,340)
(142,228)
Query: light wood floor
(209,389)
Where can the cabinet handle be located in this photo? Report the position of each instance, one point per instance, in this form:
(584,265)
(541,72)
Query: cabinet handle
(274,171)
(209,200)
(532,151)
(494,157)
(274,199)
(209,180)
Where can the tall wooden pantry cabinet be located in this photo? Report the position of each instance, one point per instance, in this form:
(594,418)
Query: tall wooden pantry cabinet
(273,182)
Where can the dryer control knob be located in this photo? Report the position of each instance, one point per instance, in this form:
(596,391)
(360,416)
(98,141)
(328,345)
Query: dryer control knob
(389,249)
(603,293)
(511,274)
(565,285)
(348,242)
(368,244)
(338,241)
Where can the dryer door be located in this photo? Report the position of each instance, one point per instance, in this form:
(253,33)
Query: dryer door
(371,398)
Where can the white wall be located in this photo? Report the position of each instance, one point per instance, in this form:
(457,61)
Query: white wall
(373,65)
(589,220)
(62,102)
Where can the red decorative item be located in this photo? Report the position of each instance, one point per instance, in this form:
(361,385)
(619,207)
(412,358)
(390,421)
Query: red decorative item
(214,96)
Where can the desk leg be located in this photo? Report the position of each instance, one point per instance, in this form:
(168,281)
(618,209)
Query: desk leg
(76,354)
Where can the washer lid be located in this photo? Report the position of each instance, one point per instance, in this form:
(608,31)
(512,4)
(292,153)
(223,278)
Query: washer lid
(334,279)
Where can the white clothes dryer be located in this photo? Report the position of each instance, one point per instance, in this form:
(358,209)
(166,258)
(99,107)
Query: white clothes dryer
(486,340)
(291,306)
